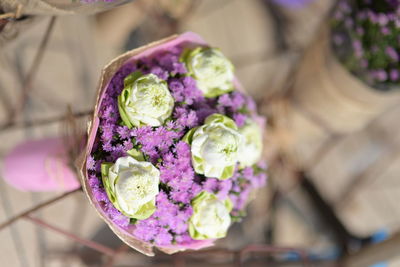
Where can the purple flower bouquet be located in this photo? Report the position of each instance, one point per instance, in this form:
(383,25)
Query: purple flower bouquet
(366,40)
(174,147)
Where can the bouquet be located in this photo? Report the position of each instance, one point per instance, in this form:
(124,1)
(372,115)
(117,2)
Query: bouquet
(174,148)
(366,39)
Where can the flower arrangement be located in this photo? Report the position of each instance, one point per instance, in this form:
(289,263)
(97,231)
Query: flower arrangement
(366,39)
(175,146)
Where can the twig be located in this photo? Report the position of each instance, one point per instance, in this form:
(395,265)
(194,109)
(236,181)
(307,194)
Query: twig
(273,249)
(373,254)
(33,70)
(37,207)
(12,15)
(42,121)
(18,242)
(94,245)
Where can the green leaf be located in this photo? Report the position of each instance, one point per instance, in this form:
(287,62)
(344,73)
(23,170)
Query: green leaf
(228,172)
(219,118)
(106,183)
(121,109)
(188,138)
(194,234)
(228,204)
(217,92)
(145,211)
(131,78)
(136,154)
(199,198)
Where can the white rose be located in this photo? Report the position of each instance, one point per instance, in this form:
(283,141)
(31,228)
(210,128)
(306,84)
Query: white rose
(132,186)
(215,146)
(213,72)
(250,152)
(210,217)
(145,100)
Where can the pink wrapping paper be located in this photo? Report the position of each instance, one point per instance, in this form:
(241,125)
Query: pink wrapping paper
(107,73)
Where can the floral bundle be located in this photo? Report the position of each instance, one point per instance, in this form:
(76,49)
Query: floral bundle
(366,39)
(174,148)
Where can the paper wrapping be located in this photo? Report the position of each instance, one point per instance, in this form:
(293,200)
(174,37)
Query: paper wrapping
(58,7)
(107,73)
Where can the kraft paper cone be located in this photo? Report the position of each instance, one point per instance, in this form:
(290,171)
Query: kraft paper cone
(58,7)
(106,75)
(188,39)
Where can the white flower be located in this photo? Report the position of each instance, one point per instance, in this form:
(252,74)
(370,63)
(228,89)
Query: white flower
(250,152)
(213,72)
(131,186)
(210,217)
(145,100)
(215,146)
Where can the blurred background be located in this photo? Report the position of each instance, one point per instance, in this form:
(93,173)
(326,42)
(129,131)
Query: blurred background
(332,143)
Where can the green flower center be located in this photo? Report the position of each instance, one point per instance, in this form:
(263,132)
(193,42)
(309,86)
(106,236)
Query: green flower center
(158,100)
(229,149)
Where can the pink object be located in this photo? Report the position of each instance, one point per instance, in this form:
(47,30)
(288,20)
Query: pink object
(126,233)
(190,38)
(40,165)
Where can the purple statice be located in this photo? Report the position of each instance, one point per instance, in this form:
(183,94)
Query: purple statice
(365,40)
(160,72)
(168,218)
(170,62)
(123,132)
(239,119)
(90,163)
(244,182)
(211,185)
(184,90)
(185,117)
(101,196)
(220,188)
(163,146)
(232,102)
(394,74)
(392,53)
(155,141)
(178,174)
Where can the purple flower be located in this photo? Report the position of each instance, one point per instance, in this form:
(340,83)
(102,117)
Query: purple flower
(123,132)
(170,62)
(349,23)
(338,39)
(90,163)
(385,30)
(240,119)
(383,19)
(238,100)
(391,52)
(225,100)
(211,185)
(161,73)
(185,90)
(358,50)
(394,75)
(163,147)
(360,31)
(364,63)
(381,75)
(163,237)
(185,117)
